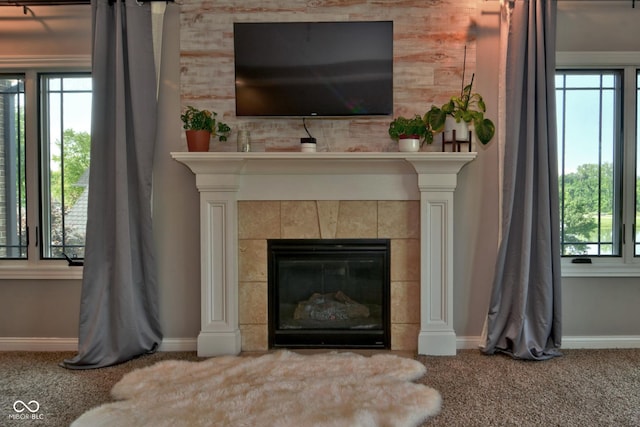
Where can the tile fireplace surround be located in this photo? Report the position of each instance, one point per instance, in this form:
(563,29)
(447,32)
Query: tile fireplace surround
(246,198)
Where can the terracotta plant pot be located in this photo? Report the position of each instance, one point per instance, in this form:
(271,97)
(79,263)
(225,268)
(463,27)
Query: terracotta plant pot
(198,140)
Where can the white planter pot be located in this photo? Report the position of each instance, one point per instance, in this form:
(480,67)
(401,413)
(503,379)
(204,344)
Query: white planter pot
(462,129)
(308,147)
(409,144)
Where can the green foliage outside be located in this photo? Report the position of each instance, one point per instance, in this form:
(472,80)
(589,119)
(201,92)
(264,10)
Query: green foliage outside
(75,154)
(588,198)
(77,147)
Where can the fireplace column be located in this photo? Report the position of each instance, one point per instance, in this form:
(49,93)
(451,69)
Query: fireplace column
(437,182)
(219,331)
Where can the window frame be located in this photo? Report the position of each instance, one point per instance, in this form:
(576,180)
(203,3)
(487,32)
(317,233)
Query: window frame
(617,149)
(16,169)
(626,264)
(44,152)
(35,267)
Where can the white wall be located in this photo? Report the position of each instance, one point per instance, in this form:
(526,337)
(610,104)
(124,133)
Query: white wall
(477,198)
(176,209)
(598,26)
(600,308)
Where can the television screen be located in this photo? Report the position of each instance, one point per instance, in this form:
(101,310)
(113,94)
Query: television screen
(314,68)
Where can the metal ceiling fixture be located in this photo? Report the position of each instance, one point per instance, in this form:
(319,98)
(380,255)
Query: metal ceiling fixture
(25,4)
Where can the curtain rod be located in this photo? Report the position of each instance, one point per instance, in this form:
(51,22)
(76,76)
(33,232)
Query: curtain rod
(633,2)
(23,3)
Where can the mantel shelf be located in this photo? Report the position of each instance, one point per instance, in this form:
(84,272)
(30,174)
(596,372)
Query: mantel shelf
(292,163)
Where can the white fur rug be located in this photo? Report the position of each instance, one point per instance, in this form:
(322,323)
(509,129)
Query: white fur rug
(278,389)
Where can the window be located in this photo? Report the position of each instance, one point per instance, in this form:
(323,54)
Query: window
(589,141)
(598,156)
(65,145)
(45,123)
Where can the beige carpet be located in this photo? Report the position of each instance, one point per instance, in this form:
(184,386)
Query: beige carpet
(277,389)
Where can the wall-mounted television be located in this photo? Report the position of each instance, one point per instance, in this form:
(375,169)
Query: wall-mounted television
(303,69)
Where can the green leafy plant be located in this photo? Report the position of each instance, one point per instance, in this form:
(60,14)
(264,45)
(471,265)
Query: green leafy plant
(414,127)
(468,107)
(194,119)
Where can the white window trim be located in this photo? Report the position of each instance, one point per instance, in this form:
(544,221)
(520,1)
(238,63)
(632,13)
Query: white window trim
(627,265)
(35,268)
(42,270)
(26,62)
(601,267)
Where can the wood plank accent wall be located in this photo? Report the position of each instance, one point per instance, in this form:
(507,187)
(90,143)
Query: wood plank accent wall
(429,42)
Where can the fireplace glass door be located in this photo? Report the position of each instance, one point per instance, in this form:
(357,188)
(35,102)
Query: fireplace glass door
(329,293)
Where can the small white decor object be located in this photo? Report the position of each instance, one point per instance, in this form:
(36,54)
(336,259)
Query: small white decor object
(308,147)
(409,144)
(244,141)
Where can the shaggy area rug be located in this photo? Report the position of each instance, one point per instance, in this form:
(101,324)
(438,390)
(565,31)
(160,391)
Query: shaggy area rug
(278,389)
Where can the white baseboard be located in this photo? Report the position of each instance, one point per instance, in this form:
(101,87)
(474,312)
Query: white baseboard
(38,344)
(71,344)
(179,344)
(468,343)
(608,341)
(569,342)
(191,344)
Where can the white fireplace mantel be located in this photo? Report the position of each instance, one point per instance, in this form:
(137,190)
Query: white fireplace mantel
(224,178)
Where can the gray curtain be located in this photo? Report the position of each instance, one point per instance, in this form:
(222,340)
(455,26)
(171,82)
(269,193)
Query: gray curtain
(119,302)
(524,318)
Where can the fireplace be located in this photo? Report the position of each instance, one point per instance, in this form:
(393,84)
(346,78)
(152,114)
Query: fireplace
(224,179)
(329,293)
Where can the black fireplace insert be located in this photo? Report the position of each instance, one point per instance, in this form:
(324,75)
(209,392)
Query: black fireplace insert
(329,293)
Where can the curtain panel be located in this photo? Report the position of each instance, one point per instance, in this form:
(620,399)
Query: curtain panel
(524,316)
(119,317)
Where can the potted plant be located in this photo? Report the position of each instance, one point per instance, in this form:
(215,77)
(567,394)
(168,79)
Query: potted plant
(200,125)
(467,108)
(410,133)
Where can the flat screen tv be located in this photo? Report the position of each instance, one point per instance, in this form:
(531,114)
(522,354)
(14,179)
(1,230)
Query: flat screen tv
(314,68)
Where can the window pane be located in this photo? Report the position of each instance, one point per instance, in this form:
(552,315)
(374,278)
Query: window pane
(66,105)
(589,140)
(13,224)
(81,84)
(583,80)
